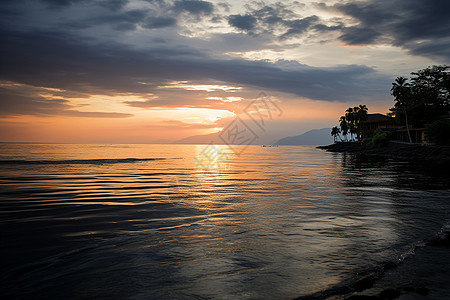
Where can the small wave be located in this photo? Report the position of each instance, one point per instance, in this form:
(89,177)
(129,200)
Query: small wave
(77,161)
(442,238)
(367,278)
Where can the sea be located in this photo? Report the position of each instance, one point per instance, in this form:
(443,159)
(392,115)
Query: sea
(216,222)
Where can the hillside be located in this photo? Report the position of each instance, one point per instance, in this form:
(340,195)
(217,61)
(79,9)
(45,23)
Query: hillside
(313,137)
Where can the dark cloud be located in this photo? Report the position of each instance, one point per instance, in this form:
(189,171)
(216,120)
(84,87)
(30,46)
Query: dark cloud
(160,22)
(271,19)
(273,14)
(369,12)
(110,4)
(124,26)
(121,20)
(326,28)
(423,20)
(422,27)
(26,100)
(62,59)
(126,20)
(62,3)
(80,15)
(359,36)
(243,22)
(438,49)
(114,4)
(196,7)
(299,26)
(18,103)
(67,62)
(58,57)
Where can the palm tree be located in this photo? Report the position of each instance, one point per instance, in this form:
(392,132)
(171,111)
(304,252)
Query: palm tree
(350,118)
(361,115)
(335,131)
(401,91)
(344,126)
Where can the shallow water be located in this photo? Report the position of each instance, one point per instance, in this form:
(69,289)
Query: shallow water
(177,221)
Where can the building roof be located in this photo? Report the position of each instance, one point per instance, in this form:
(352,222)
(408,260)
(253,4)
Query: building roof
(378,118)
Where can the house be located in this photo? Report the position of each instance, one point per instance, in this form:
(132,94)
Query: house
(399,132)
(417,134)
(375,121)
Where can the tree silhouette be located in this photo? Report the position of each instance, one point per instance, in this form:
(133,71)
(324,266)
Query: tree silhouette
(424,99)
(335,131)
(344,126)
(361,115)
(354,116)
(430,93)
(350,118)
(401,90)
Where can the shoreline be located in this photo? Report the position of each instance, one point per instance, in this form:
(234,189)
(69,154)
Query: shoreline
(420,274)
(428,155)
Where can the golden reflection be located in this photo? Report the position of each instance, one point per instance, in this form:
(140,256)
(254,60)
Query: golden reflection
(212,158)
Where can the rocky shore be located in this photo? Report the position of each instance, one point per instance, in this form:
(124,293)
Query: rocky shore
(421,275)
(426,154)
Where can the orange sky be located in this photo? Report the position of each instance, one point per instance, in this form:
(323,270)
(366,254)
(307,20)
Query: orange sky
(151,71)
(159,125)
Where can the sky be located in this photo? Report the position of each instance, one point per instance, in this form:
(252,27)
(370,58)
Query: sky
(152,71)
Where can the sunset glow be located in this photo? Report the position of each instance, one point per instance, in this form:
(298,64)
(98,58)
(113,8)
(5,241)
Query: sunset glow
(224,149)
(144,72)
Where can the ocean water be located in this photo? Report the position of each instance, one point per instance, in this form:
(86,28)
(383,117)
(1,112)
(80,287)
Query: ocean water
(201,222)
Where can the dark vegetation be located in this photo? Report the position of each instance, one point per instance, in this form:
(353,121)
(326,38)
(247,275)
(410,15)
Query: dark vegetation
(350,124)
(424,98)
(438,132)
(379,139)
(422,101)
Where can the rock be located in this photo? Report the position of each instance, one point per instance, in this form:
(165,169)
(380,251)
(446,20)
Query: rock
(437,157)
(422,291)
(443,241)
(361,297)
(389,294)
(343,147)
(364,284)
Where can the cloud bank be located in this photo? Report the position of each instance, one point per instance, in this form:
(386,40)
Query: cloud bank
(138,47)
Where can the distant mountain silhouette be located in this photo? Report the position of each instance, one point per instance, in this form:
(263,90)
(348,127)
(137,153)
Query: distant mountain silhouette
(312,137)
(201,139)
